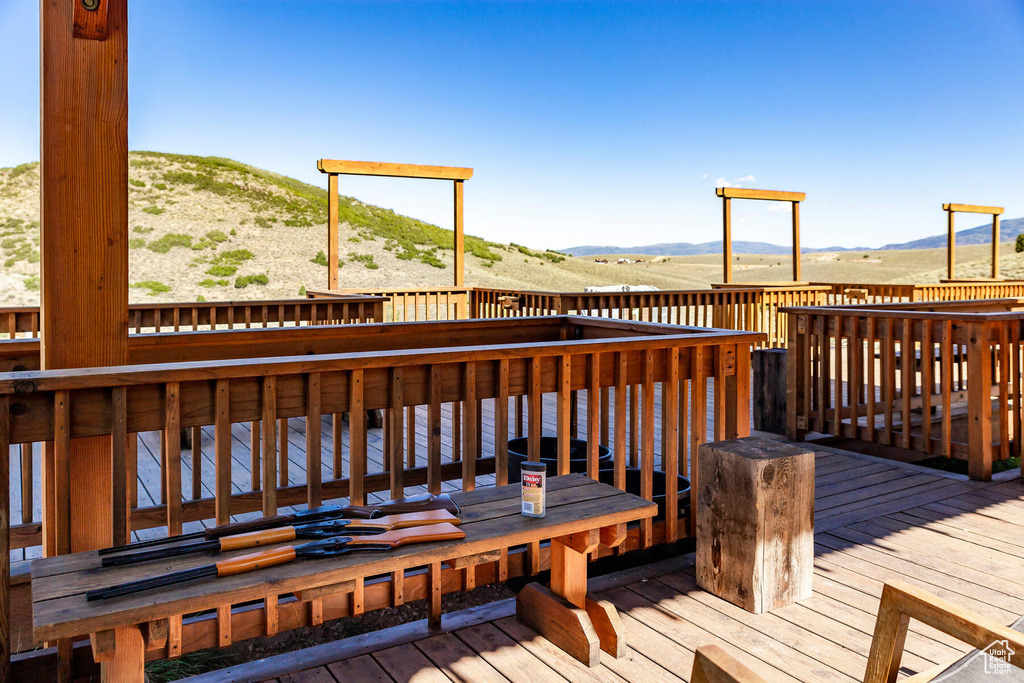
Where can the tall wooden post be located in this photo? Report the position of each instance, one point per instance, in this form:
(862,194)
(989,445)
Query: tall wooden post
(332,231)
(995,246)
(460,238)
(727,238)
(950,246)
(84,236)
(796,241)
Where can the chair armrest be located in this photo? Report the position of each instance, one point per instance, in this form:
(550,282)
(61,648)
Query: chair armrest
(902,602)
(712,664)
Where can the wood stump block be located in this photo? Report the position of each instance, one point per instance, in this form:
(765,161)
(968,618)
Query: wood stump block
(769,390)
(755,522)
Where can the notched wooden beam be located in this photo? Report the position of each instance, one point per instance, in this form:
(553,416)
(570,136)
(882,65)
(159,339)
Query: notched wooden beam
(473,560)
(327,591)
(613,536)
(155,633)
(582,541)
(103,645)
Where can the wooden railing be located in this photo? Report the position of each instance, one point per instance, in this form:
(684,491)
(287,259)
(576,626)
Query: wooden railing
(412,305)
(843,293)
(603,380)
(939,378)
(23,321)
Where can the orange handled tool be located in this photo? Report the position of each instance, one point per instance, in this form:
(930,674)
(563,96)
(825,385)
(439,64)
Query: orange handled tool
(284,534)
(331,547)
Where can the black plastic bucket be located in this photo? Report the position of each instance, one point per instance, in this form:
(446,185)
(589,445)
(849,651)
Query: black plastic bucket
(633,478)
(549,455)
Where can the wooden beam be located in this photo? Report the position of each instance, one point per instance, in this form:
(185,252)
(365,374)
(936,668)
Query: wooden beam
(726,240)
(973,208)
(771,195)
(84,227)
(377,168)
(995,246)
(950,244)
(332,231)
(796,241)
(460,238)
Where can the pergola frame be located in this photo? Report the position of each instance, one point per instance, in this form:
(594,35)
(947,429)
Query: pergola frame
(334,167)
(951,209)
(729,193)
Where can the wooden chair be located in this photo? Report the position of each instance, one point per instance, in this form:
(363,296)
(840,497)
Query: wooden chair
(712,664)
(902,602)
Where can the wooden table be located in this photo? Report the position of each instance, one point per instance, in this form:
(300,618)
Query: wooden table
(582,514)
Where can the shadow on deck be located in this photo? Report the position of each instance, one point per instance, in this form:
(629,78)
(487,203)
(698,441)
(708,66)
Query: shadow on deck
(875,521)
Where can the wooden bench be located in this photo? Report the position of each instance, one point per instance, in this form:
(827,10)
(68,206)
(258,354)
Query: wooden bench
(582,514)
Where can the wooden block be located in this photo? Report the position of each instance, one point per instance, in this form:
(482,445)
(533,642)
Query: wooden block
(613,536)
(326,591)
(582,541)
(473,560)
(755,522)
(155,633)
(566,626)
(129,661)
(103,643)
(769,390)
(569,573)
(608,625)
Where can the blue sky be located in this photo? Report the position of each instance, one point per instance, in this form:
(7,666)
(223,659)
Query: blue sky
(607,123)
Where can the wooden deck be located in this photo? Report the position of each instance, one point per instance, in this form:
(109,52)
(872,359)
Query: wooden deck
(875,521)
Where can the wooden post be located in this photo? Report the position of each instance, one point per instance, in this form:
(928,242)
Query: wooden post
(995,246)
(84,228)
(950,246)
(979,402)
(332,231)
(460,240)
(796,241)
(770,386)
(755,522)
(727,239)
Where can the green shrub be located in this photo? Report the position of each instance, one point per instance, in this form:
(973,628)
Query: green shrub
(32,283)
(136,243)
(153,286)
(365,259)
(200,298)
(233,232)
(155,210)
(1019,247)
(136,183)
(320,259)
(302,290)
(169,241)
(216,236)
(160,186)
(235,257)
(222,271)
(141,230)
(210,282)
(246,280)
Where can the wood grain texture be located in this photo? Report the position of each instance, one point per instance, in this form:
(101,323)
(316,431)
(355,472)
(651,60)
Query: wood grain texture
(755,522)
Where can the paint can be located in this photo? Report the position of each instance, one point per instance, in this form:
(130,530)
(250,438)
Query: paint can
(534,479)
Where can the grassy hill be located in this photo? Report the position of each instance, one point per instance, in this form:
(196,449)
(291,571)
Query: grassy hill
(219,229)
(206,228)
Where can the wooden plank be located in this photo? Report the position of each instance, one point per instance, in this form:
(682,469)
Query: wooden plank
(222,451)
(361,669)
(172,449)
(406,663)
(377,168)
(120,510)
(83,247)
(314,453)
(5,541)
(394,429)
(471,427)
(332,231)
(459,256)
(501,425)
(563,417)
(506,656)
(269,426)
(457,661)
(973,208)
(357,438)
(647,451)
(771,195)
(621,368)
(434,431)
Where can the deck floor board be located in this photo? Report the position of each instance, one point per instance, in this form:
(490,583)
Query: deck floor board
(951,536)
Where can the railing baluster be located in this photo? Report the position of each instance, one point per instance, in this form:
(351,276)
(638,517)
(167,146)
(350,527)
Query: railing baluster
(908,358)
(282,450)
(393,451)
(197,462)
(698,416)
(269,425)
(5,538)
(172,447)
(927,383)
(593,414)
(120,504)
(27,488)
(222,451)
(313,450)
(254,455)
(434,431)
(471,427)
(535,397)
(563,413)
(669,452)
(620,420)
(410,436)
(647,452)
(356,439)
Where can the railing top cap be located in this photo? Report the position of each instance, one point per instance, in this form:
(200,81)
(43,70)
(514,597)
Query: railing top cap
(771,195)
(379,168)
(973,208)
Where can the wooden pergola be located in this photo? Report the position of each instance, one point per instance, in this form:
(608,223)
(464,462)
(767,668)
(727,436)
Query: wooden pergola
(729,193)
(333,168)
(951,209)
